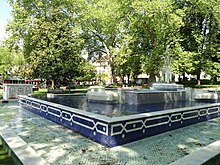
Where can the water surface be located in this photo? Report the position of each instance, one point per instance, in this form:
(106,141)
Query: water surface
(115,109)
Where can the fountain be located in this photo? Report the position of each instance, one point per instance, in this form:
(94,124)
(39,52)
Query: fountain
(49,140)
(98,93)
(139,114)
(132,120)
(165,78)
(163,92)
(207,94)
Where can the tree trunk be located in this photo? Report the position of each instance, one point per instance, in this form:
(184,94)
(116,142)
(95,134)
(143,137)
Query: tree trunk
(111,61)
(114,76)
(152,79)
(198,78)
(135,79)
(52,84)
(179,79)
(184,77)
(113,73)
(214,79)
(121,74)
(128,79)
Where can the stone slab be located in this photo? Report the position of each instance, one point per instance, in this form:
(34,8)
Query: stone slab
(11,91)
(149,97)
(23,152)
(167,86)
(209,155)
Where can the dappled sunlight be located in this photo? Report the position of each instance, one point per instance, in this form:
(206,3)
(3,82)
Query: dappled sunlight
(192,140)
(55,153)
(126,150)
(59,145)
(12,107)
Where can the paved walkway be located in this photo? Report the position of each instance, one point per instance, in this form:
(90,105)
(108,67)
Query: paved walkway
(58,145)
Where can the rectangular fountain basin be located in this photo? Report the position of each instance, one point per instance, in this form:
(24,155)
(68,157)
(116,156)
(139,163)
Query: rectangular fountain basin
(117,131)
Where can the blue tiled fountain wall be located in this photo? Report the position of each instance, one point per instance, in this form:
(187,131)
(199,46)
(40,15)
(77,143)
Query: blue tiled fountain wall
(117,131)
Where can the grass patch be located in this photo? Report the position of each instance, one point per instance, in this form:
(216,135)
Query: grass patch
(43,92)
(1,94)
(40,92)
(5,158)
(205,83)
(75,91)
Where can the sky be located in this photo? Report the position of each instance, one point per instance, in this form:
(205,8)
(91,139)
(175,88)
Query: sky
(5,11)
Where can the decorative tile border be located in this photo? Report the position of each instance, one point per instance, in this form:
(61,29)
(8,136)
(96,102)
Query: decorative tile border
(119,130)
(62,115)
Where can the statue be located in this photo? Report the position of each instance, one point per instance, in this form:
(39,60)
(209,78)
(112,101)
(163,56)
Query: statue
(166,70)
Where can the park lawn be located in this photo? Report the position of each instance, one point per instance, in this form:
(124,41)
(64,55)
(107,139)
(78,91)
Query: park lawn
(1,94)
(43,92)
(5,158)
(40,92)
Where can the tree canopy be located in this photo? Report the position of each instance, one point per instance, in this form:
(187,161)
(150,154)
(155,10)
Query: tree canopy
(5,61)
(48,36)
(136,35)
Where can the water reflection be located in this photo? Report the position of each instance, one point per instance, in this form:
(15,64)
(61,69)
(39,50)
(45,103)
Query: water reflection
(115,109)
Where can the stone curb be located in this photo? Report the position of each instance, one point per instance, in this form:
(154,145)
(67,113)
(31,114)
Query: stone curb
(25,154)
(209,155)
(8,101)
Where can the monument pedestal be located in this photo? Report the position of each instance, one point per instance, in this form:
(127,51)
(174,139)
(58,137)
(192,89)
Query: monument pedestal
(11,91)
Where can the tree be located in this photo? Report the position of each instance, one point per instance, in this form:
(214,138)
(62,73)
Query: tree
(6,58)
(155,27)
(11,63)
(20,66)
(182,61)
(199,31)
(103,30)
(213,51)
(88,72)
(49,38)
(213,42)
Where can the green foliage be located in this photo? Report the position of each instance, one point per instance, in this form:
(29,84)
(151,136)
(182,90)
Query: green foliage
(6,58)
(88,72)
(5,157)
(125,30)
(137,36)
(47,35)
(201,26)
(182,61)
(12,63)
(102,29)
(20,66)
(155,27)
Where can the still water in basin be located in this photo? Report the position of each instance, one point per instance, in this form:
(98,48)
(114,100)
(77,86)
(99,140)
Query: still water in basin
(116,109)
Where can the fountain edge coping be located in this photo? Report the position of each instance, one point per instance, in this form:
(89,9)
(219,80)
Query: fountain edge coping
(209,155)
(2,101)
(122,118)
(24,153)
